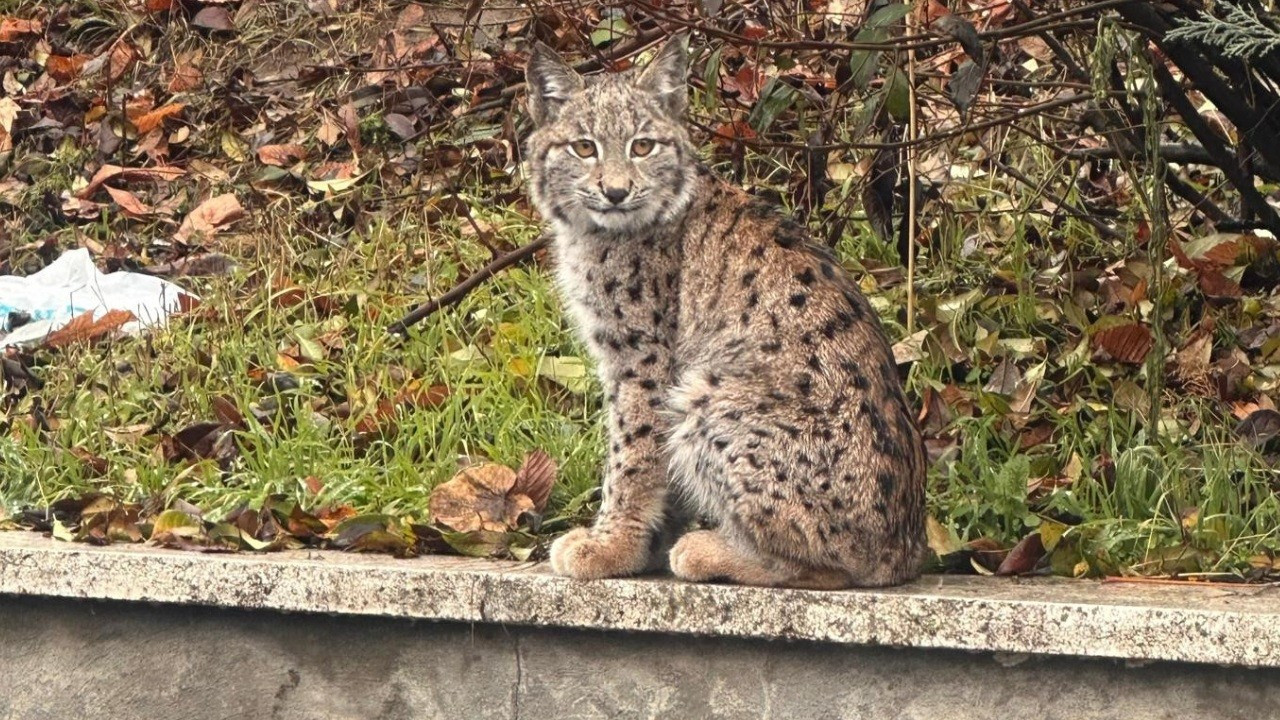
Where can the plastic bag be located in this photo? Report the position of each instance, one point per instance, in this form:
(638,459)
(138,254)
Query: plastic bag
(72,286)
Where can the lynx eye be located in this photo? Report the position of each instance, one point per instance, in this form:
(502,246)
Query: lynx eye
(640,147)
(583,148)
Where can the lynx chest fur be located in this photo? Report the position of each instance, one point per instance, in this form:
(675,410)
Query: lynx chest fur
(747,380)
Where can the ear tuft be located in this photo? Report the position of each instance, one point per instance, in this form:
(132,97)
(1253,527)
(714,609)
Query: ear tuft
(550,83)
(666,75)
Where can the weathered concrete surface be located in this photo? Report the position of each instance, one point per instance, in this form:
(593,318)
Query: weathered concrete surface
(1188,624)
(63,658)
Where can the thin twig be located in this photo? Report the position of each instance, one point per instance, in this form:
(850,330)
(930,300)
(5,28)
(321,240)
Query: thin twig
(1004,119)
(1097,224)
(459,291)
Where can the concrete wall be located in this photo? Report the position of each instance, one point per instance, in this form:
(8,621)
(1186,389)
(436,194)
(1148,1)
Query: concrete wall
(77,659)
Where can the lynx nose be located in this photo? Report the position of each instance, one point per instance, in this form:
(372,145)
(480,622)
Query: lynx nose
(616,195)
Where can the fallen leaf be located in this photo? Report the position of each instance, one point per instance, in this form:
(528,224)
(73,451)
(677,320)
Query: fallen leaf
(963,32)
(175,523)
(281,155)
(1259,427)
(65,68)
(116,172)
(726,134)
(1127,343)
(129,202)
(150,121)
(121,60)
(1023,557)
(184,78)
(941,541)
(477,543)
(479,498)
(370,533)
(1004,379)
(200,441)
(83,328)
(400,125)
(213,18)
(1217,286)
(226,411)
(535,477)
(12,29)
(209,217)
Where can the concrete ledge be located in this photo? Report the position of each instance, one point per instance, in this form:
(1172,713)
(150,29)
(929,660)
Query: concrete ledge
(1228,626)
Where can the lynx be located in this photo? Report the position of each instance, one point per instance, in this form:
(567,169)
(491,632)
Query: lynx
(747,380)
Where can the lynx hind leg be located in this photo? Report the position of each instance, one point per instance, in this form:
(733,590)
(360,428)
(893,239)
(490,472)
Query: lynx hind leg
(707,555)
(719,466)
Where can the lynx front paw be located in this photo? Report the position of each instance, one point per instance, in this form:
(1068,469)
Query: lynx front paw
(587,555)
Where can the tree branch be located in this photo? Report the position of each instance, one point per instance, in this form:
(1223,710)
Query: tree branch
(459,291)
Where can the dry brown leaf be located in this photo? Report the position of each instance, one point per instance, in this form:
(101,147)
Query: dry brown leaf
(83,328)
(412,397)
(1126,343)
(351,125)
(156,6)
(122,58)
(1023,557)
(65,68)
(129,202)
(1218,286)
(147,122)
(536,476)
(224,408)
(213,18)
(211,216)
(12,29)
(184,78)
(731,132)
(116,172)
(281,155)
(479,498)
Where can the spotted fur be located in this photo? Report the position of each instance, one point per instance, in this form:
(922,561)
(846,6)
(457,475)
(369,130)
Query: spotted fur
(747,379)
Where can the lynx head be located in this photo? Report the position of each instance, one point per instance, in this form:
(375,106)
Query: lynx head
(610,153)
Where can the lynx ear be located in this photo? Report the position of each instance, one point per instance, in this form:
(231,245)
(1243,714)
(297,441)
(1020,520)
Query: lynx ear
(550,81)
(665,76)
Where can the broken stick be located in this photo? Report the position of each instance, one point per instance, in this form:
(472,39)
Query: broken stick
(459,291)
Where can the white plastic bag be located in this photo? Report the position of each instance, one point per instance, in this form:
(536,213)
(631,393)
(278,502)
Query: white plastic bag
(72,286)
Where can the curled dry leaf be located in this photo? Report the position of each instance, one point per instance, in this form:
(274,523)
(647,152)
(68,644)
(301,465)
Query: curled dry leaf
(1023,557)
(481,497)
(211,216)
(115,172)
(535,477)
(147,122)
(83,328)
